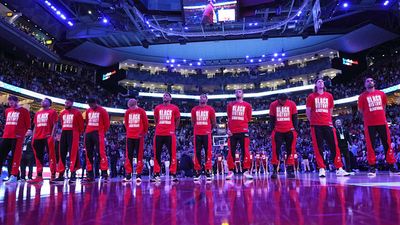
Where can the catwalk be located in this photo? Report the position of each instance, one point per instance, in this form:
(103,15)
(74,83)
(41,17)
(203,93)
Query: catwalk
(305,200)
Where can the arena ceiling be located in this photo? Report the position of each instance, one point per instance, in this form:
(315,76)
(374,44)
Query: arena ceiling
(109,31)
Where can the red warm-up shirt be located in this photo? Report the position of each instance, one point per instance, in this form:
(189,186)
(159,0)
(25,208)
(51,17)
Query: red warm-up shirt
(44,120)
(18,121)
(72,119)
(372,105)
(239,115)
(202,117)
(321,105)
(283,115)
(136,122)
(166,115)
(97,120)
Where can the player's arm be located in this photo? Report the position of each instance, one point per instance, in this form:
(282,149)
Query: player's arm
(156,115)
(249,112)
(193,117)
(106,120)
(332,104)
(295,121)
(145,122)
(384,101)
(229,114)
(177,118)
(272,117)
(309,103)
(55,119)
(213,119)
(126,120)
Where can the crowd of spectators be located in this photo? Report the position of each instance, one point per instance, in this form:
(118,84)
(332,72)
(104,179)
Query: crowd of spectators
(48,82)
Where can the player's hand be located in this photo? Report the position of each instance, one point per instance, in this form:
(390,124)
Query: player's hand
(229,133)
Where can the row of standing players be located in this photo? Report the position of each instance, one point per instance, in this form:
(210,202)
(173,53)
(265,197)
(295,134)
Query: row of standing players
(283,123)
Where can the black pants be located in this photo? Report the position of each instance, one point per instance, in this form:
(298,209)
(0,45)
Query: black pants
(133,148)
(66,142)
(170,143)
(319,134)
(7,145)
(40,146)
(28,160)
(160,142)
(244,141)
(277,140)
(94,143)
(202,141)
(346,154)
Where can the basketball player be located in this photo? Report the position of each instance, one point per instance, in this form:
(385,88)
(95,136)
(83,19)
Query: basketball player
(16,125)
(43,138)
(372,105)
(71,128)
(166,118)
(136,125)
(203,120)
(258,163)
(239,114)
(283,121)
(252,162)
(220,164)
(97,124)
(264,162)
(238,165)
(319,109)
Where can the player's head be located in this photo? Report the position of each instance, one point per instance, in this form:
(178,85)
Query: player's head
(132,103)
(338,123)
(92,101)
(167,97)
(69,102)
(46,102)
(239,94)
(282,98)
(369,83)
(203,99)
(28,133)
(13,101)
(319,85)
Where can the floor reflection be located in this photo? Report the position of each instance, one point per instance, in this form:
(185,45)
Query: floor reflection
(306,200)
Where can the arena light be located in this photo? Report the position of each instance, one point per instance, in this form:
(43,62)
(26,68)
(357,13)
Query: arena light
(105,20)
(172,60)
(228,96)
(386,3)
(345,5)
(275,54)
(36,95)
(70,23)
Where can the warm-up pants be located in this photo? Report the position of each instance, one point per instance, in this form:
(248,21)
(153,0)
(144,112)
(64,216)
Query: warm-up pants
(39,147)
(319,134)
(134,149)
(94,141)
(278,138)
(69,142)
(15,146)
(244,141)
(384,135)
(170,142)
(200,142)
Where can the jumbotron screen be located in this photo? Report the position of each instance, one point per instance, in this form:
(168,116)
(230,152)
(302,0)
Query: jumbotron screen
(209,11)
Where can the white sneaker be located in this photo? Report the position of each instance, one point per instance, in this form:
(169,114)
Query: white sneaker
(247,175)
(322,172)
(342,173)
(229,176)
(372,174)
(12,180)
